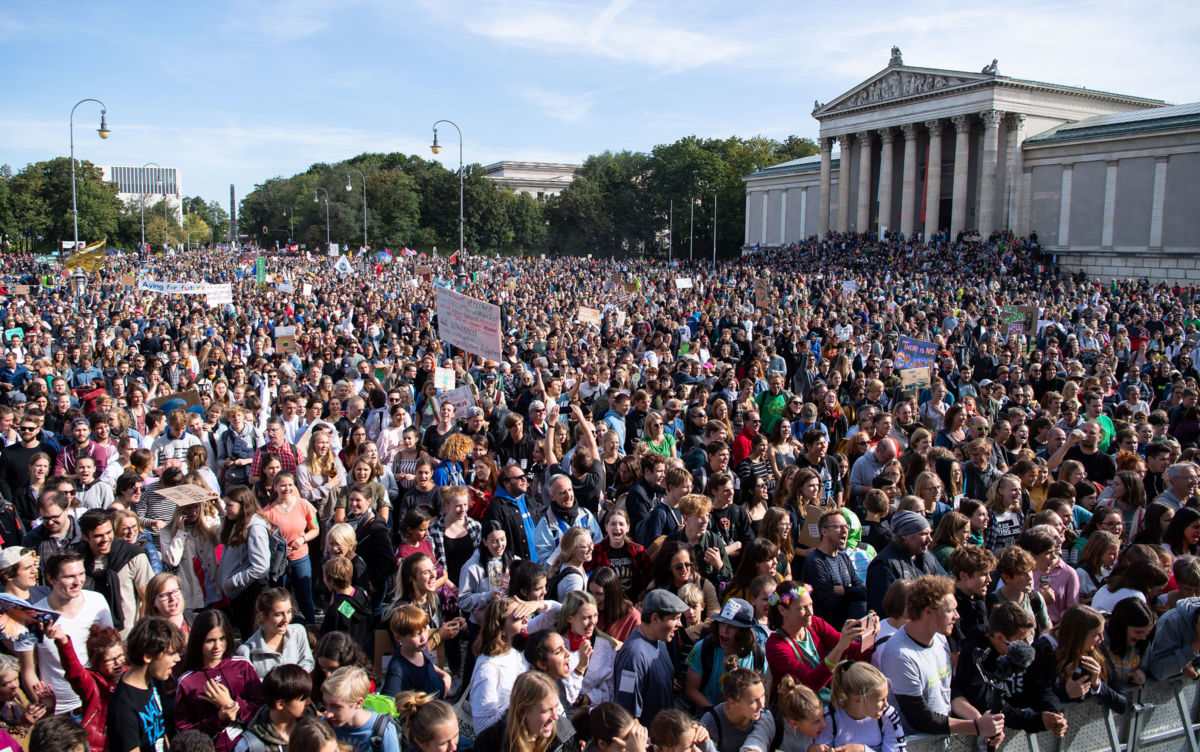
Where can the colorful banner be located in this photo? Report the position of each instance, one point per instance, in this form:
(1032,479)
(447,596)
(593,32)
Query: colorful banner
(285,339)
(914,353)
(473,325)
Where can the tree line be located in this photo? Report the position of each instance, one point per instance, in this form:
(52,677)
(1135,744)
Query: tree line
(620,203)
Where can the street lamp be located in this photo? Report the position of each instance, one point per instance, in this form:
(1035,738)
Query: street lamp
(350,188)
(714,229)
(291,215)
(163,190)
(319,188)
(156,164)
(437,150)
(103,131)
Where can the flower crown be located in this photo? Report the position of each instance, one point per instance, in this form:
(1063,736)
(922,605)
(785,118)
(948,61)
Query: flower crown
(787,596)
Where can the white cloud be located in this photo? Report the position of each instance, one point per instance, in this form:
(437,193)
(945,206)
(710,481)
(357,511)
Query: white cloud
(619,30)
(285,20)
(569,108)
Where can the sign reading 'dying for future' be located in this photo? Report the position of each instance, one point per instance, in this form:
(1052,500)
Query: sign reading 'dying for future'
(473,325)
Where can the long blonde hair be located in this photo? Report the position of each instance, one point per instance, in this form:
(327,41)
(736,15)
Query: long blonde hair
(530,688)
(571,542)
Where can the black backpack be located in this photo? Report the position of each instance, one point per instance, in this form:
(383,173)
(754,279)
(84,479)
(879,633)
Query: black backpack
(278,568)
(379,731)
(12,529)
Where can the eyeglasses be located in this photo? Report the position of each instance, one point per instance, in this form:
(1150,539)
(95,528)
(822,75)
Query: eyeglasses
(683,567)
(516,478)
(28,428)
(48,518)
(116,660)
(167,595)
(836,527)
(754,422)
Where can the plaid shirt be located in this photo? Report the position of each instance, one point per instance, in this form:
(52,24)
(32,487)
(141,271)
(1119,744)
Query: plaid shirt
(437,538)
(288,458)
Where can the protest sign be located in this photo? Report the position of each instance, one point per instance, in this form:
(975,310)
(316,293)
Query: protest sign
(473,325)
(849,286)
(631,287)
(423,270)
(128,280)
(443,379)
(589,316)
(285,339)
(307,289)
(343,265)
(461,398)
(285,287)
(915,353)
(683,283)
(191,398)
(186,494)
(16,331)
(762,295)
(20,289)
(914,379)
(260,270)
(218,295)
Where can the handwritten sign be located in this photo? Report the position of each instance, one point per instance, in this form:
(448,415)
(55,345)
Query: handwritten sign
(285,287)
(473,325)
(186,494)
(191,398)
(285,339)
(914,379)
(631,287)
(763,296)
(915,353)
(20,289)
(16,331)
(589,316)
(683,283)
(443,379)
(423,270)
(461,398)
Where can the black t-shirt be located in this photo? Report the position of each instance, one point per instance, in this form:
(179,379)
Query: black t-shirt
(1100,467)
(433,439)
(828,469)
(590,488)
(732,523)
(136,720)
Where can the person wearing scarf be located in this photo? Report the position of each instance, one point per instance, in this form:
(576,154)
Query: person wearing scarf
(562,515)
(116,569)
(374,541)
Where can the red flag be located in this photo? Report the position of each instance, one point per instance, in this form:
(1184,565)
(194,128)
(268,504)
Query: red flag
(454,258)
(422,255)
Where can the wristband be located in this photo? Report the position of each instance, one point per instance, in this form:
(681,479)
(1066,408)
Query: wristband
(977,731)
(232,704)
(578,672)
(829,663)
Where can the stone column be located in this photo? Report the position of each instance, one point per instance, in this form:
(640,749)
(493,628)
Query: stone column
(1158,202)
(1024,199)
(962,153)
(865,141)
(843,207)
(1064,206)
(886,136)
(803,214)
(748,194)
(826,184)
(783,216)
(1110,205)
(987,189)
(908,194)
(933,179)
(1013,193)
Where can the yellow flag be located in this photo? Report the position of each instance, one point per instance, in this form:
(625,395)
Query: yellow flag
(90,259)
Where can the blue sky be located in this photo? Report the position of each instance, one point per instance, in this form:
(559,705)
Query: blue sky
(240,91)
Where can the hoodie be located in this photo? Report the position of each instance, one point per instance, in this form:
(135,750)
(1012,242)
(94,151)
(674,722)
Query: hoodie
(1171,649)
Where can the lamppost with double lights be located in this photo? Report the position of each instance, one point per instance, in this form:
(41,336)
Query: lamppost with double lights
(104,133)
(436,148)
(350,188)
(319,188)
(291,214)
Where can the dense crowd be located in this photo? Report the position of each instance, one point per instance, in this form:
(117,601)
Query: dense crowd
(720,519)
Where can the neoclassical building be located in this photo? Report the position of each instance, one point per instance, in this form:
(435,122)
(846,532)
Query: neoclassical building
(1102,178)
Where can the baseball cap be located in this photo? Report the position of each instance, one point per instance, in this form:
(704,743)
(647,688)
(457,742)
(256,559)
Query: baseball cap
(14,555)
(80,422)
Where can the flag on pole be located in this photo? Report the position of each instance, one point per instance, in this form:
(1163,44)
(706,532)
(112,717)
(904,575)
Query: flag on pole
(343,265)
(409,252)
(454,258)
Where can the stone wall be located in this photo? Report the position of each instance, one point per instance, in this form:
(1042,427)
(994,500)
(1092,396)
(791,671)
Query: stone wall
(1157,267)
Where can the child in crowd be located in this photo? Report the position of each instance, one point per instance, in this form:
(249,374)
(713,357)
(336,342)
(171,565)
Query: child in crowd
(135,712)
(676,731)
(349,610)
(343,693)
(287,692)
(730,722)
(412,667)
(859,712)
(797,717)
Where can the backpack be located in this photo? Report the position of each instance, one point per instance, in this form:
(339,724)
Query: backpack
(12,529)
(381,704)
(709,648)
(278,568)
(379,731)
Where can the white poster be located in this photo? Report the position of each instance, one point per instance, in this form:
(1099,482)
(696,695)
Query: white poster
(285,287)
(683,283)
(443,379)
(343,266)
(307,289)
(473,325)
(461,398)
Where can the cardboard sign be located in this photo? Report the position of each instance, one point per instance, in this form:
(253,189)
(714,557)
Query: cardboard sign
(443,379)
(683,283)
(915,353)
(763,296)
(186,494)
(423,270)
(285,339)
(914,379)
(468,323)
(631,287)
(20,289)
(589,316)
(191,398)
(810,531)
(128,280)
(461,398)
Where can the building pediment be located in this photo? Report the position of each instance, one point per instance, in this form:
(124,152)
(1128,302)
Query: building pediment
(898,83)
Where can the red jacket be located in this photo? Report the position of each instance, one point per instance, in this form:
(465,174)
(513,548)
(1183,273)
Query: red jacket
(742,445)
(782,656)
(244,686)
(94,692)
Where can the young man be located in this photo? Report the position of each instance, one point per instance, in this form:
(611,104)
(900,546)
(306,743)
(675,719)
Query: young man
(664,518)
(343,693)
(413,666)
(117,570)
(643,670)
(349,608)
(58,529)
(135,713)
(55,733)
(838,592)
(971,567)
(287,692)
(917,661)
(708,548)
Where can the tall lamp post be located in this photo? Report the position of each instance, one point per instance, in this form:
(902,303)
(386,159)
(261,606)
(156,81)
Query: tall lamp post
(291,215)
(166,238)
(104,132)
(319,188)
(350,188)
(714,229)
(437,150)
(156,164)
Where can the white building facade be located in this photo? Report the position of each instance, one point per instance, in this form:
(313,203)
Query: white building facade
(916,151)
(538,179)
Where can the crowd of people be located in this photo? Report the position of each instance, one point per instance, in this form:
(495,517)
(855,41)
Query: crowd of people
(720,519)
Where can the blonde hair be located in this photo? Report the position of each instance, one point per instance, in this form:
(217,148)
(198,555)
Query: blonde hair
(530,688)
(691,594)
(695,505)
(572,541)
(855,679)
(348,683)
(343,535)
(798,702)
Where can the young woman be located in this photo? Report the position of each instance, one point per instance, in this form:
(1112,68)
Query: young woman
(730,645)
(953,531)
(569,573)
(189,546)
(803,646)
(483,485)
(1129,496)
(405,461)
(760,557)
(296,521)
(781,449)
(756,497)
(499,664)
(1096,562)
(391,439)
(430,725)
(94,685)
(1154,524)
(264,489)
(218,693)
(25,497)
(777,527)
(278,640)
(423,492)
(1182,536)
(1126,637)
(675,566)
(246,557)
(531,723)
(1006,518)
(417,583)
(455,536)
(414,534)
(617,614)
(656,438)
(617,551)
(1080,669)
(591,651)
(321,474)
(380,473)
(165,598)
(354,442)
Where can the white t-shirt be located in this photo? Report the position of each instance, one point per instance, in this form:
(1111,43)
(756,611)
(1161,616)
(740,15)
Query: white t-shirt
(1105,599)
(918,671)
(50,670)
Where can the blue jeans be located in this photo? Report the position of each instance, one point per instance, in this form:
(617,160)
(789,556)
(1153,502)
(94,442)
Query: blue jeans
(300,582)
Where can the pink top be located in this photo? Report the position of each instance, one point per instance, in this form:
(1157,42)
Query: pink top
(1065,582)
(292,525)
(404,550)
